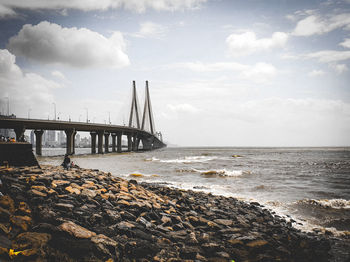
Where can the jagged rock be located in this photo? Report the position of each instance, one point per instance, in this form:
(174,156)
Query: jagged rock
(76,230)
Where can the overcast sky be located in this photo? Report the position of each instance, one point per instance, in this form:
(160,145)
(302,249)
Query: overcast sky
(221,73)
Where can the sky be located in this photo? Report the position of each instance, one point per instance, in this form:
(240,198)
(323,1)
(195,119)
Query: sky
(220,72)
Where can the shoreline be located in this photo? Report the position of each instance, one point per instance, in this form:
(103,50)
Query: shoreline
(87,214)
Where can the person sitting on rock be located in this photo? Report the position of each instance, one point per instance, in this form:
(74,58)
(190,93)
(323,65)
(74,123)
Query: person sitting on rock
(66,162)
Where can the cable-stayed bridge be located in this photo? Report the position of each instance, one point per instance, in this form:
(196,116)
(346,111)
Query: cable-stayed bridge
(140,133)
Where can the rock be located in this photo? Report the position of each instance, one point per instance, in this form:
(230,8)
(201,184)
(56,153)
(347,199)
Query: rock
(37,193)
(31,243)
(224,222)
(7,203)
(73,190)
(65,207)
(21,221)
(76,230)
(88,192)
(56,183)
(257,243)
(125,225)
(104,244)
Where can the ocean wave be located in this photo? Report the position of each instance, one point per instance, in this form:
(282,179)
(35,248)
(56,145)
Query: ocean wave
(337,203)
(223,172)
(152,159)
(187,159)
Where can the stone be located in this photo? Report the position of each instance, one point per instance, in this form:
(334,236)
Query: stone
(24,208)
(88,192)
(257,243)
(65,206)
(7,203)
(73,190)
(125,225)
(225,222)
(37,193)
(31,242)
(56,183)
(76,230)
(104,243)
(21,221)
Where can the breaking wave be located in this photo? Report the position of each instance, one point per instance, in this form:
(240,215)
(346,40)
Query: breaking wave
(223,172)
(185,160)
(337,203)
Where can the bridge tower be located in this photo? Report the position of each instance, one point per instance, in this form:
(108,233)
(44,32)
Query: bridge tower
(147,112)
(134,108)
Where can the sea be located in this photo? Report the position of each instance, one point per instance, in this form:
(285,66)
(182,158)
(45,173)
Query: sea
(308,186)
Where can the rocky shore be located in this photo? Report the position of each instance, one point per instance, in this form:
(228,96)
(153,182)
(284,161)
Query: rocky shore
(50,214)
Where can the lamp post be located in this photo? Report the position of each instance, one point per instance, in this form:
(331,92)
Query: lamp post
(54,104)
(8,105)
(87,115)
(109,117)
(58,115)
(29,112)
(79,118)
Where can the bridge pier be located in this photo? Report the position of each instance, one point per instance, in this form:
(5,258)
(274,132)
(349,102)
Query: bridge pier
(119,142)
(100,142)
(93,142)
(106,142)
(73,142)
(38,141)
(19,133)
(135,143)
(129,142)
(113,141)
(70,141)
(147,143)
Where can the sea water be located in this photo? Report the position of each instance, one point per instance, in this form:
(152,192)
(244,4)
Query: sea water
(309,185)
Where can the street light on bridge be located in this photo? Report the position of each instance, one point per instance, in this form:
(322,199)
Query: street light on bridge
(87,115)
(54,104)
(29,112)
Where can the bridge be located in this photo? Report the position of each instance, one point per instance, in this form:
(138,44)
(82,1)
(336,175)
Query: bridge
(135,132)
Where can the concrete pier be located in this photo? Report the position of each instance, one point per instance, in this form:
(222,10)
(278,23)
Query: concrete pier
(100,142)
(70,141)
(93,142)
(38,141)
(106,135)
(119,142)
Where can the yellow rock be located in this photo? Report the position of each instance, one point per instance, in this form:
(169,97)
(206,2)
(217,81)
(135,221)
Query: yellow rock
(56,183)
(76,230)
(257,243)
(136,175)
(157,206)
(124,188)
(235,242)
(123,202)
(73,190)
(23,206)
(40,188)
(38,193)
(8,203)
(21,221)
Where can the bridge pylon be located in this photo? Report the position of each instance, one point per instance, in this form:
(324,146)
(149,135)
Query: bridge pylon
(147,112)
(134,108)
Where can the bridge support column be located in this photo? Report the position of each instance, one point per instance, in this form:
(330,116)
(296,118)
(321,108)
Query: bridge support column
(113,141)
(135,145)
(100,142)
(106,142)
(19,134)
(147,143)
(38,141)
(70,141)
(73,142)
(119,142)
(129,142)
(93,142)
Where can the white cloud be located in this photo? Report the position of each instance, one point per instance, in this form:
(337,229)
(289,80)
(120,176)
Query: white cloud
(58,74)
(50,43)
(339,68)
(150,29)
(138,6)
(183,108)
(327,56)
(6,12)
(258,73)
(247,43)
(316,73)
(25,90)
(345,43)
(316,24)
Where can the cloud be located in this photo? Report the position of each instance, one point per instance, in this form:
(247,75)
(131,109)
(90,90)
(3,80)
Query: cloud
(6,12)
(327,56)
(25,90)
(183,108)
(52,44)
(345,43)
(314,73)
(317,25)
(259,72)
(247,43)
(58,74)
(339,68)
(150,29)
(138,6)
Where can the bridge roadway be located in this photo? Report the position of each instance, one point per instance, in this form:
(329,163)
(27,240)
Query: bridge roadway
(99,131)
